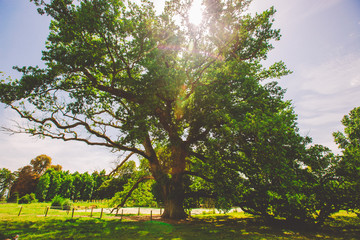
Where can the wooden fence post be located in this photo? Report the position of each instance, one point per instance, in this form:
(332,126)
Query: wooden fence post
(46,211)
(20,211)
(92,208)
(102,209)
(139,211)
(72,214)
(151,215)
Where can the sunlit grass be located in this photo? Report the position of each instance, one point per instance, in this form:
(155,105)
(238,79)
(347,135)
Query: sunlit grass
(36,210)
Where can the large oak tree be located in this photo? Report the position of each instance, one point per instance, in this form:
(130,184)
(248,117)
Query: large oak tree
(118,75)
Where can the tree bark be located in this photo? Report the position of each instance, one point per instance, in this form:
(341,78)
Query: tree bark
(173,195)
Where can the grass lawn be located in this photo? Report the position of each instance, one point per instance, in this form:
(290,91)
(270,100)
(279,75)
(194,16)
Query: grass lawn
(32,224)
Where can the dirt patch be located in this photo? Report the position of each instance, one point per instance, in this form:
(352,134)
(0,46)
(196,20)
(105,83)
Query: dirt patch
(144,218)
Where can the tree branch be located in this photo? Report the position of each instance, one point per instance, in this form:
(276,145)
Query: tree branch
(115,92)
(121,164)
(131,190)
(108,142)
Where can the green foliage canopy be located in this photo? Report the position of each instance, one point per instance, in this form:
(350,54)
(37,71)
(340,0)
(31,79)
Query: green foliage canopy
(117,75)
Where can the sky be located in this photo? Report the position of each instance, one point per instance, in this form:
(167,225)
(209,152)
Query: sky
(320,43)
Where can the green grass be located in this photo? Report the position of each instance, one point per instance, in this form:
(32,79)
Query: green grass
(34,211)
(59,225)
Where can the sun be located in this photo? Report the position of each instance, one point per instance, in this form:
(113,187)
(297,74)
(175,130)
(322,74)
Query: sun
(196,12)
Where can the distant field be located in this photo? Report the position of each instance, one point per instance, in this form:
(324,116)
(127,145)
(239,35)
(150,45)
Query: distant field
(59,224)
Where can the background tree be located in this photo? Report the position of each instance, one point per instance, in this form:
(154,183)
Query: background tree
(99,179)
(7,179)
(42,187)
(56,167)
(54,188)
(75,186)
(88,187)
(121,77)
(40,164)
(67,187)
(25,182)
(28,178)
(349,165)
(321,187)
(78,186)
(117,179)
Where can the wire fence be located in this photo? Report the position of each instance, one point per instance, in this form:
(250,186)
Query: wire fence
(76,212)
(92,211)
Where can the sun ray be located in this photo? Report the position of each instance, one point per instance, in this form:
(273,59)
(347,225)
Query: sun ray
(196,12)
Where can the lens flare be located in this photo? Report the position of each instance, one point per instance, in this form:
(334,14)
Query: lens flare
(196,12)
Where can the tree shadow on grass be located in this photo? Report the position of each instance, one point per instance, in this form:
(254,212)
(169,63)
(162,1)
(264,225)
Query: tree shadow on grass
(258,228)
(84,228)
(217,227)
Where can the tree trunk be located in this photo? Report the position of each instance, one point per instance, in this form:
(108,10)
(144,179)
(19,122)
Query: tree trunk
(173,195)
(170,180)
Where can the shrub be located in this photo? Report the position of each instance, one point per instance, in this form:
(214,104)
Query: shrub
(57,202)
(28,198)
(67,204)
(61,203)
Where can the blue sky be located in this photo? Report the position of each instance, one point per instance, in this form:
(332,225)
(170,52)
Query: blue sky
(320,44)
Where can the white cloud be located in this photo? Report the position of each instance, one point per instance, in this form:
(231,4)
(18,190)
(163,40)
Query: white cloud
(333,76)
(355,81)
(311,8)
(17,151)
(294,11)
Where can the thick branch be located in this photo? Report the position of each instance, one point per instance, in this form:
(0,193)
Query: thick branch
(149,150)
(113,91)
(108,143)
(121,164)
(131,190)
